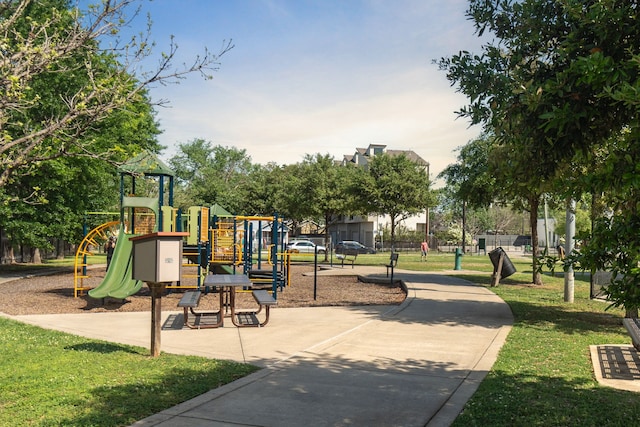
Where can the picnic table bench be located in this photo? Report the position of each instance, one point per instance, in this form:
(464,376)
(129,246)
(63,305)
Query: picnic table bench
(248,318)
(348,255)
(240,318)
(189,301)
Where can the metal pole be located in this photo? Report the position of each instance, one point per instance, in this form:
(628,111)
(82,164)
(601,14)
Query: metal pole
(426,228)
(464,226)
(315,273)
(274,254)
(570,231)
(546,226)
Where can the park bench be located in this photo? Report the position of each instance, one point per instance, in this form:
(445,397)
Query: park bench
(633,328)
(393,262)
(189,301)
(348,255)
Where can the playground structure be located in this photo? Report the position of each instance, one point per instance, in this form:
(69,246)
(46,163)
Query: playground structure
(92,239)
(217,241)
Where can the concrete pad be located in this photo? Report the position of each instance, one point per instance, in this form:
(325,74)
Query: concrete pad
(410,365)
(361,396)
(289,331)
(616,366)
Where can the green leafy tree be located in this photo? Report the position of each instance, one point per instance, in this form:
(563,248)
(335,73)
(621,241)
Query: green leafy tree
(234,169)
(331,189)
(394,185)
(262,188)
(52,199)
(318,189)
(469,180)
(543,85)
(64,96)
(291,197)
(612,244)
(209,174)
(51,50)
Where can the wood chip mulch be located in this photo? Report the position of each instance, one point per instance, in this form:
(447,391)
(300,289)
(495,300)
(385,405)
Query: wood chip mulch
(54,294)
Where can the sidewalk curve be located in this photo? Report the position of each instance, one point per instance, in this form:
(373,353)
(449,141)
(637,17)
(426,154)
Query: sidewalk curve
(415,364)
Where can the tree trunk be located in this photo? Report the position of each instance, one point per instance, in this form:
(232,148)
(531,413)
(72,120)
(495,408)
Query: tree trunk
(36,257)
(534,204)
(60,249)
(327,220)
(8,257)
(393,233)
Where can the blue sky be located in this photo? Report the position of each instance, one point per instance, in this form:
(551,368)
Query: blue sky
(311,77)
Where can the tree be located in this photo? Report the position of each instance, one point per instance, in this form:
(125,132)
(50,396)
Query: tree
(613,243)
(330,189)
(261,188)
(542,86)
(470,181)
(209,174)
(291,195)
(53,198)
(63,97)
(318,189)
(394,186)
(49,41)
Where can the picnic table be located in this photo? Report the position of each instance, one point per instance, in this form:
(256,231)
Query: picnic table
(226,285)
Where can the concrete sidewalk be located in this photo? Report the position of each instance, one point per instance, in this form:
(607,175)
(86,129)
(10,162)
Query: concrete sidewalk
(411,365)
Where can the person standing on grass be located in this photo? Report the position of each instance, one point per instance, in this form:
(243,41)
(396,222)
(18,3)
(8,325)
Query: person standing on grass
(424,248)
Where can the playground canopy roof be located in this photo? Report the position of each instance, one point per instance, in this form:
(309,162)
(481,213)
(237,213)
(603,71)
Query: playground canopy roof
(146,163)
(219,211)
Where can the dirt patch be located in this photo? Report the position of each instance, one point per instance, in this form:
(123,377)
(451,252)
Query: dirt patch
(54,294)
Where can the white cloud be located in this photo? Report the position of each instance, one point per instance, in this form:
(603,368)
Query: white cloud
(346,77)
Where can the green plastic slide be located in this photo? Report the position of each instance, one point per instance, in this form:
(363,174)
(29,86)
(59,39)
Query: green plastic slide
(117,283)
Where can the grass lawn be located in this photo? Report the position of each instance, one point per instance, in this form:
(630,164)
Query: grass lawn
(49,378)
(543,375)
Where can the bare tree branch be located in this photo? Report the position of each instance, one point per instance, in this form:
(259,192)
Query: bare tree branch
(70,42)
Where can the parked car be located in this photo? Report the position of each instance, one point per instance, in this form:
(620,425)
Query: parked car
(351,245)
(305,247)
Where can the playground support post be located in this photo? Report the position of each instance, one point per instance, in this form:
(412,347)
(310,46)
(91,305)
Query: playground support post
(315,273)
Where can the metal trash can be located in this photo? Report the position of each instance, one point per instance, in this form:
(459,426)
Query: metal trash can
(507,266)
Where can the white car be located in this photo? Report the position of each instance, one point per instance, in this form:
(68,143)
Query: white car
(305,247)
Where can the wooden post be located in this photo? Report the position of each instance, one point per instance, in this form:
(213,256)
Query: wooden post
(496,274)
(156,316)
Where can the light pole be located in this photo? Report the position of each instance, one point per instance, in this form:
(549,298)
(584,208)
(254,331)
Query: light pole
(426,228)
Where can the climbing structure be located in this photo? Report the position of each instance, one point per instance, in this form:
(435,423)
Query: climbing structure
(140,213)
(93,240)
